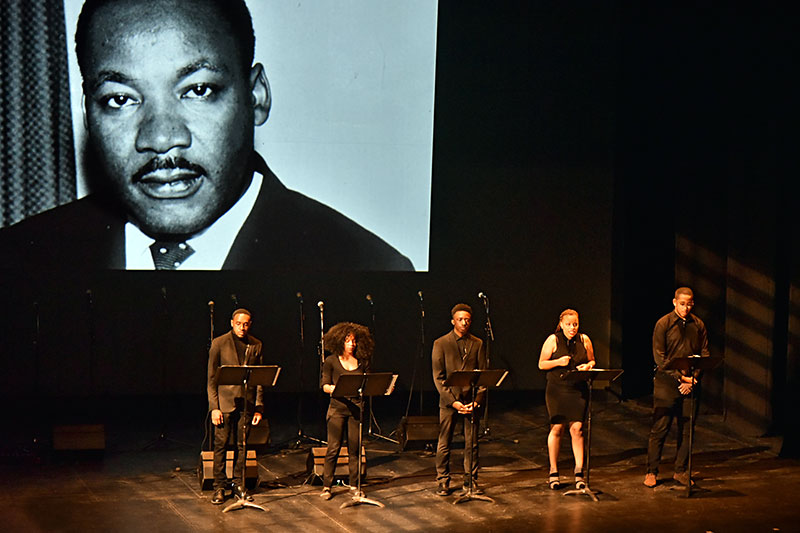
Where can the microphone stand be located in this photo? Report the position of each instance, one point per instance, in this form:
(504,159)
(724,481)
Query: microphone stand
(489,340)
(92,336)
(208,426)
(372,420)
(301,348)
(162,437)
(321,306)
(35,400)
(210,323)
(419,358)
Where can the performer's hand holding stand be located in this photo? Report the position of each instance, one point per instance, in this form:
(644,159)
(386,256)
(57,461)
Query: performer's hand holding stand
(351,346)
(690,366)
(233,404)
(567,349)
(589,375)
(680,352)
(457,350)
(473,379)
(247,376)
(365,385)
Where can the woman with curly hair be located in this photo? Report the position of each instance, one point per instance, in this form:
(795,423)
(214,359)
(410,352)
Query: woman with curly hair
(351,346)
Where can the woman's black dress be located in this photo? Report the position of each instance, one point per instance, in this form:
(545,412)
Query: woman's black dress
(566,400)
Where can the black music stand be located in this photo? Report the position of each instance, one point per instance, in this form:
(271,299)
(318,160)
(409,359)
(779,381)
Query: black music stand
(474,379)
(361,385)
(689,365)
(590,376)
(265,376)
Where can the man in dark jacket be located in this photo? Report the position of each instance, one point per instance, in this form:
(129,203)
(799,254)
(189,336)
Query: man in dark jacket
(228,403)
(457,350)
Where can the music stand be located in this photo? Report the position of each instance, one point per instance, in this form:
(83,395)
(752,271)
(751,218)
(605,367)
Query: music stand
(474,379)
(689,365)
(590,376)
(265,376)
(361,385)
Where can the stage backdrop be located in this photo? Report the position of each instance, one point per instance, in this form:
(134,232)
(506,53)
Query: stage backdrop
(521,209)
(351,123)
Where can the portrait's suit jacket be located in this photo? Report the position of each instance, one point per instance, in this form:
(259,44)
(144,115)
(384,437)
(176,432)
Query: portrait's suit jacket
(223,352)
(447,358)
(285,231)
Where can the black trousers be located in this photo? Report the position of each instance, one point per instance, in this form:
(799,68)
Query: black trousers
(662,421)
(447,419)
(336,425)
(222,433)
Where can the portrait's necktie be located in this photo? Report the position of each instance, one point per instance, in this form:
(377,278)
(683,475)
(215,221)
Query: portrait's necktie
(169,255)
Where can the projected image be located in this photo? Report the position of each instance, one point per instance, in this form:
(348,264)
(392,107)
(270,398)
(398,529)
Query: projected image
(300,141)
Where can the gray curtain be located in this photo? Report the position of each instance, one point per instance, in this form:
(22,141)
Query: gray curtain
(37,161)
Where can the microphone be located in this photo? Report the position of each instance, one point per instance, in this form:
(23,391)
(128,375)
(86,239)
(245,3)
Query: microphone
(299,296)
(211,304)
(235,300)
(320,304)
(482,296)
(419,293)
(369,299)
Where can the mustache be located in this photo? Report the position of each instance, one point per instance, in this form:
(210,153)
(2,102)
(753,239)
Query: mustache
(168,163)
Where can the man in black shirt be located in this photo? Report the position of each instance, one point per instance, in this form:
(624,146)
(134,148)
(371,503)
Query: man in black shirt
(676,334)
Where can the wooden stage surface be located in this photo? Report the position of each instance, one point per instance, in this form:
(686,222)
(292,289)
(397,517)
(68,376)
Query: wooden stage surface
(144,484)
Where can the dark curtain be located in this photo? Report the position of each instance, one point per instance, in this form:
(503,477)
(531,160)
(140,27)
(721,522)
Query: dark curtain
(37,163)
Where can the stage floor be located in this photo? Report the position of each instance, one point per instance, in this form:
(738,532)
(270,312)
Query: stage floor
(142,483)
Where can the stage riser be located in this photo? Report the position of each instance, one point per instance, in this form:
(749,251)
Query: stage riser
(315,463)
(205,470)
(417,430)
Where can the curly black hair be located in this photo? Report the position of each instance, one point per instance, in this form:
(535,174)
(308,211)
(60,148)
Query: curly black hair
(335,337)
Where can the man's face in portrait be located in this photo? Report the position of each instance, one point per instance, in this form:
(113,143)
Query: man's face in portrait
(170,111)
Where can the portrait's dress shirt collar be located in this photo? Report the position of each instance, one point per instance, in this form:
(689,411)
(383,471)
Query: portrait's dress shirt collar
(211,246)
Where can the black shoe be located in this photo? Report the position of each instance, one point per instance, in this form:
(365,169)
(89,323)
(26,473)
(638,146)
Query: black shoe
(219,497)
(443,490)
(240,493)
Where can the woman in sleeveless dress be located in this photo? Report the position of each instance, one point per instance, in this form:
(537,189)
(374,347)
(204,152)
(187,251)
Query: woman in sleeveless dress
(566,349)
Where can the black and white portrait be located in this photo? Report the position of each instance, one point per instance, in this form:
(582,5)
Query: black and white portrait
(206,136)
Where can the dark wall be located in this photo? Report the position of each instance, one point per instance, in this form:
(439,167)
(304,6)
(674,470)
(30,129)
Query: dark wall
(703,183)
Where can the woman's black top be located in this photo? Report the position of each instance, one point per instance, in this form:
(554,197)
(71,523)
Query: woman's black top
(331,370)
(574,348)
